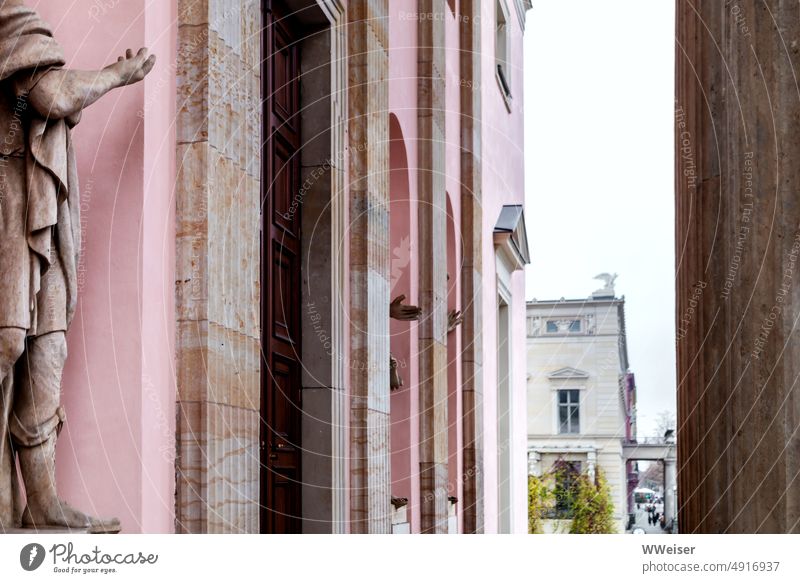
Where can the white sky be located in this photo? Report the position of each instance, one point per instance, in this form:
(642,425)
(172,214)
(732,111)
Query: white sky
(599,170)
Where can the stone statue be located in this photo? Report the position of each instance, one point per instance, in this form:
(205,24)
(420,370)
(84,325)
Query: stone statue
(608,280)
(404,313)
(40,101)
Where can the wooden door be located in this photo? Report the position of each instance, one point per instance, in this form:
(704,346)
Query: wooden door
(281,297)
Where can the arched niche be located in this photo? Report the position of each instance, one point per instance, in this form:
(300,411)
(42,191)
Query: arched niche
(455,440)
(402,281)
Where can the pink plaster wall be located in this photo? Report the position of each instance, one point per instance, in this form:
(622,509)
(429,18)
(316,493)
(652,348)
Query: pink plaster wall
(116,454)
(503,183)
(404,340)
(403,113)
(455,397)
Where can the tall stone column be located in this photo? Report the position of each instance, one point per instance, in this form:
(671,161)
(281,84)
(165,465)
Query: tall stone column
(591,464)
(368,127)
(472,263)
(432,256)
(534,463)
(670,473)
(738,242)
(218,202)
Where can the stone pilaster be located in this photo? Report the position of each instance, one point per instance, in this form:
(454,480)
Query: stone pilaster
(472,266)
(432,256)
(670,469)
(217,265)
(738,241)
(368,126)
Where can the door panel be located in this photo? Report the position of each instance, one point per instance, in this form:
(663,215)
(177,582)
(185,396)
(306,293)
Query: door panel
(285,184)
(280,310)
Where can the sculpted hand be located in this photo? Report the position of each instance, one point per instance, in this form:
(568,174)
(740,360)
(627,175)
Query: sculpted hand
(133,68)
(454,320)
(400,312)
(395,380)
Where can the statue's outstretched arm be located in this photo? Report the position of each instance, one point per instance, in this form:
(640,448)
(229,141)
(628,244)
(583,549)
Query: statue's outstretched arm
(64,93)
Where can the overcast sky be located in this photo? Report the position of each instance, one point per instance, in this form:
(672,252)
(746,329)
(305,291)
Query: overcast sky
(599,170)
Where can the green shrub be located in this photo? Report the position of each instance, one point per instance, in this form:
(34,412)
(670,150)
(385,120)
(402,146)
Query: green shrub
(593,511)
(540,499)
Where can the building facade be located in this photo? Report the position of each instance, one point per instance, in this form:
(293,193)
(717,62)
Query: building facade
(251,210)
(579,391)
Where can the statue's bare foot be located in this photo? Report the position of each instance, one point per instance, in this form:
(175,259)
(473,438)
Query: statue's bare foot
(58,514)
(45,509)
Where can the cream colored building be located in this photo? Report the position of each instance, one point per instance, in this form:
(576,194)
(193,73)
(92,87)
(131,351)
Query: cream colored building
(577,362)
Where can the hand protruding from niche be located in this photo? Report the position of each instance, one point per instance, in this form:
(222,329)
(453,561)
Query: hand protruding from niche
(405,313)
(454,319)
(395,380)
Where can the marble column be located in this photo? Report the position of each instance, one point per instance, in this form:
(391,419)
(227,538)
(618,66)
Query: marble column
(670,483)
(469,19)
(737,118)
(218,199)
(534,463)
(432,255)
(368,127)
(591,464)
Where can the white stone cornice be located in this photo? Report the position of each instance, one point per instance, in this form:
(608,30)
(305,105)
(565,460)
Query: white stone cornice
(522,7)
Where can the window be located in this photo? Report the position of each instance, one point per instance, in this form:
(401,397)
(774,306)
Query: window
(569,411)
(501,50)
(566,475)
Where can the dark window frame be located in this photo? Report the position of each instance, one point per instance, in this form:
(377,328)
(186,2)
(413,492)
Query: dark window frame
(568,403)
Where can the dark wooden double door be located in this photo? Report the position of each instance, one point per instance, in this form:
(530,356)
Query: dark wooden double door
(280,276)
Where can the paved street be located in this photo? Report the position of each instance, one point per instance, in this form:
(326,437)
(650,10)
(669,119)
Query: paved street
(641,522)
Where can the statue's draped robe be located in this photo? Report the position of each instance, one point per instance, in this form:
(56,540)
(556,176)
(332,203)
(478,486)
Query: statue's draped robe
(38,173)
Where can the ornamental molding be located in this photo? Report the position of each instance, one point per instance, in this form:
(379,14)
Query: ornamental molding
(568,373)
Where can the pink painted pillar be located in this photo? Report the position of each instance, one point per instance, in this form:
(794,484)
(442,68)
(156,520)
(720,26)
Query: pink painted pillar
(455,402)
(402,104)
(455,244)
(403,342)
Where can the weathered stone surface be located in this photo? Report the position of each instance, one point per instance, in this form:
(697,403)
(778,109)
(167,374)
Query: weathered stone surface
(738,240)
(367,69)
(218,266)
(432,255)
(472,264)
